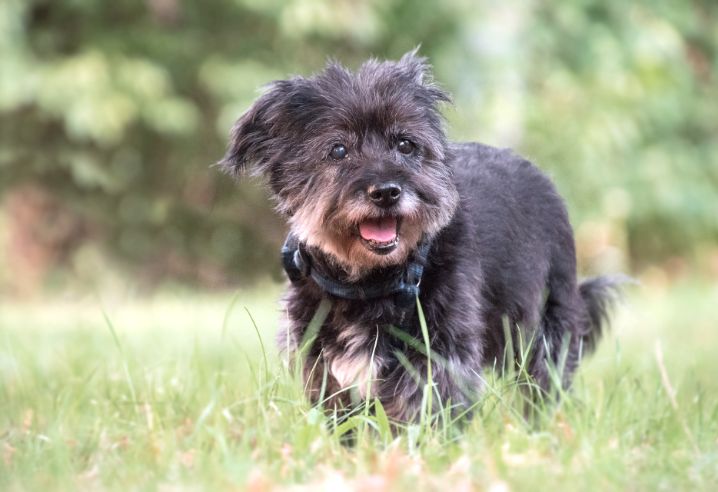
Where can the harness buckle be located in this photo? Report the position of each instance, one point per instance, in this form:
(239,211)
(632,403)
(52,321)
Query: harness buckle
(288,262)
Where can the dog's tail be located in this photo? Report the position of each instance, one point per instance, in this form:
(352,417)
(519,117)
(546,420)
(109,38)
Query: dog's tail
(600,295)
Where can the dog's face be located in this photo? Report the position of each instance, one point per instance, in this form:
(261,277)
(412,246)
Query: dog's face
(355,161)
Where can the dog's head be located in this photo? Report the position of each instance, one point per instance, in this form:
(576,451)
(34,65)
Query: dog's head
(355,161)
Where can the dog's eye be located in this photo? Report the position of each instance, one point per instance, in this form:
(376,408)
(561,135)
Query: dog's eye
(405,146)
(338,152)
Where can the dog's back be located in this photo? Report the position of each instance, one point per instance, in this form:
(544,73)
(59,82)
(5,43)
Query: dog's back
(519,244)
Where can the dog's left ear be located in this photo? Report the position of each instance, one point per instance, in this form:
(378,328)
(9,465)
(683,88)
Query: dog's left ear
(418,69)
(250,143)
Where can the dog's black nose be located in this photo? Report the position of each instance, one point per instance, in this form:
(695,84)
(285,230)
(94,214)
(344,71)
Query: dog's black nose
(385,194)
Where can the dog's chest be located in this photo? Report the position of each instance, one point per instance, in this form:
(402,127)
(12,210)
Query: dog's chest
(354,372)
(352,357)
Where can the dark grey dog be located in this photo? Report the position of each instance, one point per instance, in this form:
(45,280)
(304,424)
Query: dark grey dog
(381,207)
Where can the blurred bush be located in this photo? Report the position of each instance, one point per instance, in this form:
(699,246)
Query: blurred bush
(111,114)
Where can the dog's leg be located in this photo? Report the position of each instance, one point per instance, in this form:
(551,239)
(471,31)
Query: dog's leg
(556,349)
(573,320)
(456,386)
(558,342)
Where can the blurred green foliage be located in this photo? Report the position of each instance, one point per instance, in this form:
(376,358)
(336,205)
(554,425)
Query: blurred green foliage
(118,109)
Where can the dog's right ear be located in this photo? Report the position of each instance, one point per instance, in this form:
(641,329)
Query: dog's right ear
(251,136)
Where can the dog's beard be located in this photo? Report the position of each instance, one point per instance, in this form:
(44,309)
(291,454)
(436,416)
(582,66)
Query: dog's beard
(357,236)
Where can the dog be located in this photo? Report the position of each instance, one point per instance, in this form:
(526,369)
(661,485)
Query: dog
(382,209)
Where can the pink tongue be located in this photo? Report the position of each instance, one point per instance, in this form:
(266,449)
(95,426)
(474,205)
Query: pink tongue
(380,230)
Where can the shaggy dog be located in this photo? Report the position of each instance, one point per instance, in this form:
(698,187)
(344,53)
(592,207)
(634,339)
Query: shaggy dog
(382,208)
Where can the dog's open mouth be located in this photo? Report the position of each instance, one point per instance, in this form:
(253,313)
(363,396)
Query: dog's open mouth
(380,235)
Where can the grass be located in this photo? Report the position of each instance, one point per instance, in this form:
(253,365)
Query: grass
(187,392)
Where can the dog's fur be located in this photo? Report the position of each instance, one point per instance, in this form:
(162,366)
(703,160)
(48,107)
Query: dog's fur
(502,249)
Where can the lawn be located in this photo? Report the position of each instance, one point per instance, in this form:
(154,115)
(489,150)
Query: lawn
(186,391)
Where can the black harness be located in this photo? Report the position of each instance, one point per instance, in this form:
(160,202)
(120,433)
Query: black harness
(405,288)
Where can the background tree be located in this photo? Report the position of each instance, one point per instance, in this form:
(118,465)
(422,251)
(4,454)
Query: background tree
(111,114)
